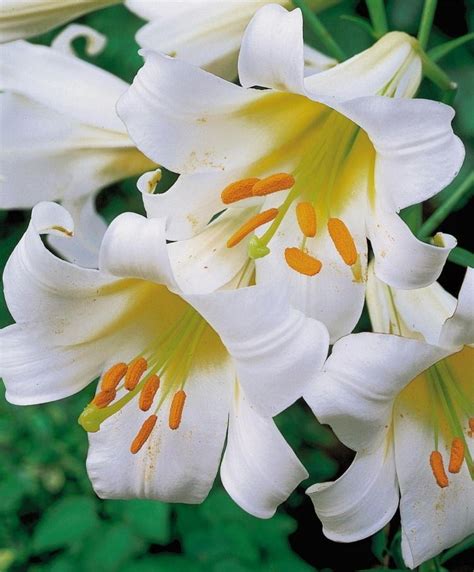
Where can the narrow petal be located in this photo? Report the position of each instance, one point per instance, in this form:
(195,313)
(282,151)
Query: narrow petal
(172,466)
(190,120)
(401,260)
(276,349)
(272,52)
(458,330)
(66,84)
(259,469)
(418,154)
(95,41)
(449,511)
(315,62)
(89,228)
(408,312)
(25,19)
(203,263)
(355,392)
(135,247)
(362,501)
(71,321)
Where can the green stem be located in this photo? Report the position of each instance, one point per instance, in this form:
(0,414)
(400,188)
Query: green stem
(443,211)
(462,257)
(320,30)
(378,16)
(436,74)
(439,52)
(426,23)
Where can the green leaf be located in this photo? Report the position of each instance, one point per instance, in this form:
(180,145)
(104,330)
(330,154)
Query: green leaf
(444,49)
(164,563)
(466,544)
(67,521)
(109,548)
(379,545)
(149,520)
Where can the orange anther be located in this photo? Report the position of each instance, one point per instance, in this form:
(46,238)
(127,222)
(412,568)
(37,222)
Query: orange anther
(143,434)
(136,369)
(239,190)
(273,184)
(302,262)
(343,240)
(104,398)
(306,216)
(251,225)
(456,457)
(176,409)
(471,425)
(148,392)
(436,462)
(113,376)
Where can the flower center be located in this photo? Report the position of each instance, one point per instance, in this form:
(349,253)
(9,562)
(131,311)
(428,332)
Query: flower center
(159,371)
(323,179)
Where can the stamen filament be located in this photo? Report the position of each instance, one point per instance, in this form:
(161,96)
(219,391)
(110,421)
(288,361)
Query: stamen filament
(251,225)
(143,434)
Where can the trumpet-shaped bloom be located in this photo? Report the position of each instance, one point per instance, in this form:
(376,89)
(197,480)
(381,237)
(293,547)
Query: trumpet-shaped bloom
(177,372)
(302,172)
(207,33)
(26,18)
(61,137)
(406,406)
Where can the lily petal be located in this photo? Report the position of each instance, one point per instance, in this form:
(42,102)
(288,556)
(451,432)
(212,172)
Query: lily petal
(173,466)
(355,392)
(184,131)
(259,469)
(458,330)
(95,41)
(135,247)
(450,510)
(362,500)
(276,349)
(272,52)
(401,260)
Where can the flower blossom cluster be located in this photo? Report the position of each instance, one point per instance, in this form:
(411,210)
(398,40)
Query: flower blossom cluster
(238,290)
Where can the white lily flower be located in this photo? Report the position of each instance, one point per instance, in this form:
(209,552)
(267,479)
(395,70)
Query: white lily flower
(208,33)
(61,137)
(406,406)
(321,162)
(27,18)
(178,371)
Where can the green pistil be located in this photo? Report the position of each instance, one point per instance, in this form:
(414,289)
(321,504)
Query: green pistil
(434,416)
(183,336)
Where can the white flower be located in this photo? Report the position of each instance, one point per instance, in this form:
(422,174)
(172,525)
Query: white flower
(327,160)
(207,33)
(26,18)
(61,137)
(178,371)
(407,407)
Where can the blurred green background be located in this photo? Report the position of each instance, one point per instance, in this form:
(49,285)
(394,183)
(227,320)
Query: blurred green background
(50,518)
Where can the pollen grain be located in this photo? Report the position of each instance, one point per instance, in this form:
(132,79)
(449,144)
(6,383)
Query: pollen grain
(113,376)
(342,240)
(456,457)
(135,370)
(147,394)
(251,225)
(302,262)
(238,190)
(306,216)
(176,409)
(437,466)
(273,184)
(143,434)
